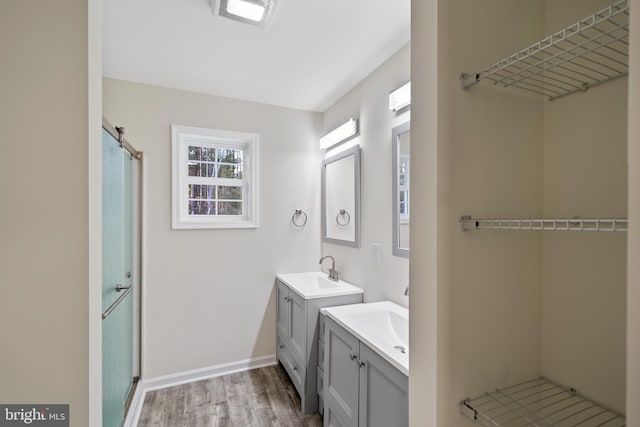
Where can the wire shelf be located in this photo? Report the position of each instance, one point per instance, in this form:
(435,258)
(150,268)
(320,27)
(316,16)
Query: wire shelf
(539,402)
(545,224)
(590,52)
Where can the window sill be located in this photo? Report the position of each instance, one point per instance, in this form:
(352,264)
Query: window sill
(212,225)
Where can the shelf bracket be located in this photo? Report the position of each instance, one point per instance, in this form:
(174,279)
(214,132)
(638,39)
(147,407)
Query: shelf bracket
(467,410)
(467,223)
(468,80)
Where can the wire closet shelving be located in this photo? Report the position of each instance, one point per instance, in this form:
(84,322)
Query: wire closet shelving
(550,224)
(539,402)
(592,51)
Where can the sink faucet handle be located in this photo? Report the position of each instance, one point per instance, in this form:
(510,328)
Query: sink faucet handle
(333,273)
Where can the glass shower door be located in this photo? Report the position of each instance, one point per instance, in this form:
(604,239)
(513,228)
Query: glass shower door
(117,281)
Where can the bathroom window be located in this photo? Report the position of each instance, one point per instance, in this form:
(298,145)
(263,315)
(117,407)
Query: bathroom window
(214,178)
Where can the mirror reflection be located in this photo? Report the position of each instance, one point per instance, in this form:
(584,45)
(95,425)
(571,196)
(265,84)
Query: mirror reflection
(401,145)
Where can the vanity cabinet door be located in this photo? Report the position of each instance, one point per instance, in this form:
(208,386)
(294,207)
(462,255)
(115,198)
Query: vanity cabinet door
(340,376)
(297,327)
(384,395)
(283,312)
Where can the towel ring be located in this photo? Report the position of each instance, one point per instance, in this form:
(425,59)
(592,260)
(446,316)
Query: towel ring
(343,212)
(296,214)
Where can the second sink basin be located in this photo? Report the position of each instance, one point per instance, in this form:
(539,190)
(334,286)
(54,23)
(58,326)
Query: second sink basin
(382,322)
(316,284)
(383,326)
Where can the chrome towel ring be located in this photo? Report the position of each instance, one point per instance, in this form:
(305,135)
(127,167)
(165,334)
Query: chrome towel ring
(343,213)
(296,214)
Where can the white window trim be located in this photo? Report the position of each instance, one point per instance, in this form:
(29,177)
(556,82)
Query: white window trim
(181,138)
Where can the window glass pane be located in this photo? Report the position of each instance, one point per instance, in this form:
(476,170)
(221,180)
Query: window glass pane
(229,193)
(404,202)
(202,153)
(229,155)
(230,171)
(202,191)
(194,153)
(209,154)
(202,169)
(229,208)
(200,207)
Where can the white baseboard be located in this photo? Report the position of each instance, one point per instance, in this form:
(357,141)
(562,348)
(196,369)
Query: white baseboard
(190,376)
(208,372)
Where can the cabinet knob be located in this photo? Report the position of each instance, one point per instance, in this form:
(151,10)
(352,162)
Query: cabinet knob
(353,357)
(361,364)
(295,368)
(287,299)
(281,346)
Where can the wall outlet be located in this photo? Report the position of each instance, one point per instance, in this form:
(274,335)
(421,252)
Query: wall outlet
(376,253)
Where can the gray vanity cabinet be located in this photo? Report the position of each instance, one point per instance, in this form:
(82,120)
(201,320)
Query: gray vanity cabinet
(291,321)
(341,376)
(297,340)
(361,389)
(383,395)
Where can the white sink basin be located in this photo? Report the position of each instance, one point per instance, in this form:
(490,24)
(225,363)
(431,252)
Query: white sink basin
(383,326)
(316,284)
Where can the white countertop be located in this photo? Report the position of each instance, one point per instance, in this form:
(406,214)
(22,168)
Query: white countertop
(316,284)
(383,326)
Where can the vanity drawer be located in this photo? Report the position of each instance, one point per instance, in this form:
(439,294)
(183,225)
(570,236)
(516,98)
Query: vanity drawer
(294,369)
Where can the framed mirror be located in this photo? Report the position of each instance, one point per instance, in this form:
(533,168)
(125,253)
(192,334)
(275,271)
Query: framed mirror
(341,198)
(401,157)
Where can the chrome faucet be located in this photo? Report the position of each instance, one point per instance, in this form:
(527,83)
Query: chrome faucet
(406,291)
(333,273)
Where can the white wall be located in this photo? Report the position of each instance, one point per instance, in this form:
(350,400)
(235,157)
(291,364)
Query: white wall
(487,155)
(94,160)
(209,294)
(489,165)
(584,274)
(423,304)
(369,101)
(633,267)
(44,174)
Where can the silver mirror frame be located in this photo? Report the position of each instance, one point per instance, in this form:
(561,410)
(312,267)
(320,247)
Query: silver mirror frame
(355,152)
(395,136)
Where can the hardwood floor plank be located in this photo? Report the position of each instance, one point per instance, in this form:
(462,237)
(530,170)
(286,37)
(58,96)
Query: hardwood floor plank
(262,397)
(149,417)
(204,416)
(197,394)
(175,406)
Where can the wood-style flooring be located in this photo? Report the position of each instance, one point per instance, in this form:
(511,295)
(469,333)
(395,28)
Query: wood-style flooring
(256,398)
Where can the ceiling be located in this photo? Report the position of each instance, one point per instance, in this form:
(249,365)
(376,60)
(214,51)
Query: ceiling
(312,54)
